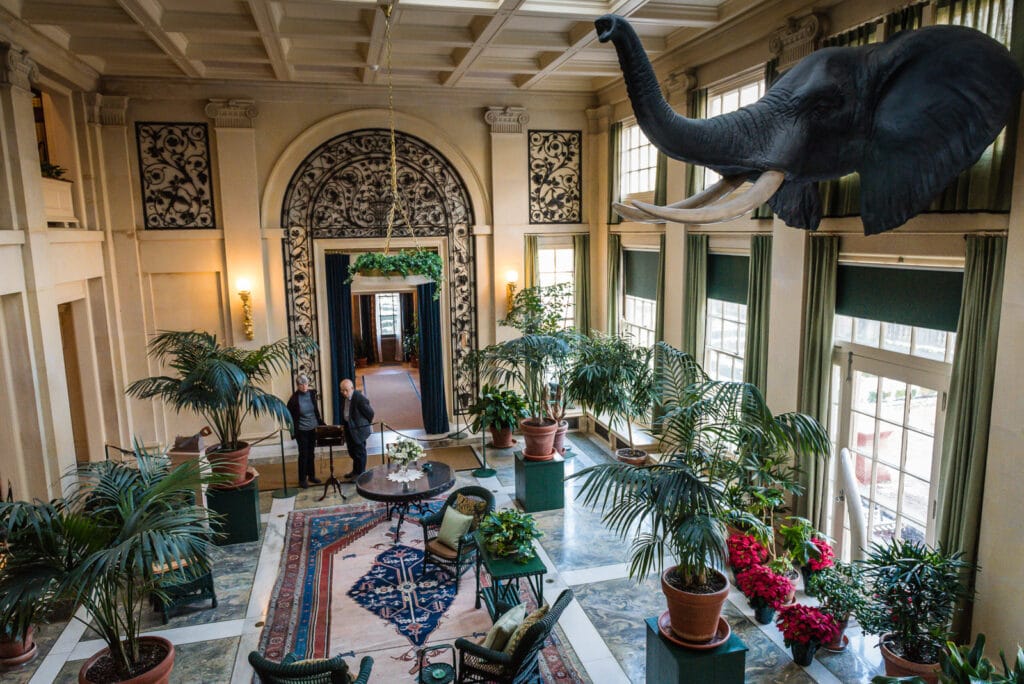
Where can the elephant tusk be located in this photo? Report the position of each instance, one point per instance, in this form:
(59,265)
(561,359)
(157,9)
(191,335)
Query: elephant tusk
(720,189)
(758,194)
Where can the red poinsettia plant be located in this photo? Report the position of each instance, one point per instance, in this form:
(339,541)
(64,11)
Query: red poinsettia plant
(826,556)
(763,587)
(802,624)
(745,550)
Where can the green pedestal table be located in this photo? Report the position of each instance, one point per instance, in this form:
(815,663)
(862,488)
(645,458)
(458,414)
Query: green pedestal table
(668,662)
(540,485)
(240,511)
(505,577)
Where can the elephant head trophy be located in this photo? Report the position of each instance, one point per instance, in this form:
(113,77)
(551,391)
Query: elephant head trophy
(908,114)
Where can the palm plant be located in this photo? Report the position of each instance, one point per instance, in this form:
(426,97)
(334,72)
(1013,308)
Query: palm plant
(221,384)
(525,362)
(105,544)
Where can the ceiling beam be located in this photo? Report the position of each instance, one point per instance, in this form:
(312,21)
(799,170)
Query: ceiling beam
(204,52)
(147,16)
(205,22)
(677,16)
(267,18)
(301,27)
(375,51)
(72,15)
(486,33)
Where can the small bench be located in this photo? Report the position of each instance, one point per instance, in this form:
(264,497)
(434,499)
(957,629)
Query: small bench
(179,590)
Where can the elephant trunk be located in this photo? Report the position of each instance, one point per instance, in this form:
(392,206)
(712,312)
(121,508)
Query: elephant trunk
(730,143)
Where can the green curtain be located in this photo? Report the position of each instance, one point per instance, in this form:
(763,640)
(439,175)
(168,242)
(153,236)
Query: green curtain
(965,438)
(581,256)
(771,75)
(906,19)
(696,109)
(816,369)
(614,281)
(987,185)
(695,298)
(661,181)
(659,328)
(530,265)
(614,160)
(755,355)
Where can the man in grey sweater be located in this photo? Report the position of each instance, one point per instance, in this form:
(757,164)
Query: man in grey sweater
(305,412)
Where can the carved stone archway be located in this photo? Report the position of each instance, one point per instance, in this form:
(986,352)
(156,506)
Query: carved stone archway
(342,190)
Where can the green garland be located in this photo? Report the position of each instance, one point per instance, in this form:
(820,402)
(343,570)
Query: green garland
(404,263)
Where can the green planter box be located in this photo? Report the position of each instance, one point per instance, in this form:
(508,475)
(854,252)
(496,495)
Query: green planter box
(240,509)
(540,485)
(668,662)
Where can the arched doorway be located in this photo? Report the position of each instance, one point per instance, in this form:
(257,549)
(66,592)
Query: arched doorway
(341,190)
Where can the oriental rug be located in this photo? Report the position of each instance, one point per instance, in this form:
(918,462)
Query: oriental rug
(345,587)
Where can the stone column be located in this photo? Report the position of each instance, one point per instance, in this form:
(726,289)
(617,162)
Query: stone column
(599,120)
(785,323)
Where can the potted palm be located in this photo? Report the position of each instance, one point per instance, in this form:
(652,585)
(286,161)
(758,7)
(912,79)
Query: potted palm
(221,384)
(913,592)
(609,375)
(499,411)
(104,546)
(680,502)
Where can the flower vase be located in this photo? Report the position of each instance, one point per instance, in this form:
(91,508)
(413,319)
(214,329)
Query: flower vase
(403,469)
(764,614)
(803,654)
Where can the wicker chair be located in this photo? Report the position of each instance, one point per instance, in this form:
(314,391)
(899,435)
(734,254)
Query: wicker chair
(455,561)
(479,664)
(327,671)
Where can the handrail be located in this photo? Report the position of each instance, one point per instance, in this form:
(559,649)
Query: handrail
(384,425)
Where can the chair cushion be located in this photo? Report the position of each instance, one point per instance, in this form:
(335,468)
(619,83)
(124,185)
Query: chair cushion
(453,526)
(517,636)
(436,548)
(505,627)
(471,506)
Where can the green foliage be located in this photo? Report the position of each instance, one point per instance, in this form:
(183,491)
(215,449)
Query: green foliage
(539,310)
(525,363)
(404,263)
(54,171)
(610,375)
(510,534)
(840,589)
(913,590)
(967,665)
(221,384)
(99,545)
(411,344)
(797,540)
(497,408)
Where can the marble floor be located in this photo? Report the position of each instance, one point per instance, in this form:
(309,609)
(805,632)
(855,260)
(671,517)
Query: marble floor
(604,625)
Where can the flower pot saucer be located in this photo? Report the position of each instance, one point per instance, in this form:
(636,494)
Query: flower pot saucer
(250,475)
(722,634)
(15,661)
(840,649)
(532,457)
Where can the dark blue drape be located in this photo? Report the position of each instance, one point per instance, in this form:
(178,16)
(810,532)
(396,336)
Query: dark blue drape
(366,328)
(339,320)
(435,412)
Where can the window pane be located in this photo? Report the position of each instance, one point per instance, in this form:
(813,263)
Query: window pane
(896,337)
(923,402)
(865,392)
(890,442)
(930,344)
(863,434)
(843,329)
(915,498)
(546,259)
(866,332)
(715,307)
(919,454)
(894,394)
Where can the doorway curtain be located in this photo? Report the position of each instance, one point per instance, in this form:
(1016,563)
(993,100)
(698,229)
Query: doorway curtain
(339,322)
(368,328)
(435,412)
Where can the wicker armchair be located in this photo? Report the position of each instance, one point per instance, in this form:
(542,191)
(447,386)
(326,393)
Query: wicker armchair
(479,664)
(327,671)
(455,561)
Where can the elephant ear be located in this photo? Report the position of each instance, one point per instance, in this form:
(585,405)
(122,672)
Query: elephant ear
(798,204)
(945,93)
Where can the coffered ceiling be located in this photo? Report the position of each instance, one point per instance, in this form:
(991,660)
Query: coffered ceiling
(489,44)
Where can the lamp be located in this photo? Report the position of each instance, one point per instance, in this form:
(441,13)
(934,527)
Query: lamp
(511,280)
(245,294)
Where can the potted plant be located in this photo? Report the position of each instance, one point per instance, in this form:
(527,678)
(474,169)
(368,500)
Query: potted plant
(765,589)
(745,550)
(680,502)
(53,171)
(804,629)
(509,534)
(609,375)
(967,665)
(360,353)
(404,452)
(221,384)
(913,592)
(104,546)
(405,264)
(18,620)
(499,411)
(539,310)
(799,542)
(840,590)
(411,347)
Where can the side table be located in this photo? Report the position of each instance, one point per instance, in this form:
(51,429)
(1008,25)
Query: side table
(540,485)
(506,575)
(668,662)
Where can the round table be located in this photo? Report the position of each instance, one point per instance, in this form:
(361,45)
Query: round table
(375,486)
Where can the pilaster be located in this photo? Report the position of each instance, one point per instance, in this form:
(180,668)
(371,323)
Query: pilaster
(599,120)
(797,39)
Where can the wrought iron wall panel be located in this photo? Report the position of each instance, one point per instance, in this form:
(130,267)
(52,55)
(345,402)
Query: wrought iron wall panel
(174,165)
(342,190)
(556,173)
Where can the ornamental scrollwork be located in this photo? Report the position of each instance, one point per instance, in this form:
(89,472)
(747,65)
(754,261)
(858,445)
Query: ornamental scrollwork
(556,172)
(174,161)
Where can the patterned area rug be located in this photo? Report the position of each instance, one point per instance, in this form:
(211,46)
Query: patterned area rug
(346,587)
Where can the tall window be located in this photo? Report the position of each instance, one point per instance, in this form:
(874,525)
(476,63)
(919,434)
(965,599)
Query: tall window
(638,162)
(389,314)
(725,334)
(727,100)
(640,296)
(556,265)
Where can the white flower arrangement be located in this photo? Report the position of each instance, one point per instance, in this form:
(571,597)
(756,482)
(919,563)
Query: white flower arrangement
(404,451)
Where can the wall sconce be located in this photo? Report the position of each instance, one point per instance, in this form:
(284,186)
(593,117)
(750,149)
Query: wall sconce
(511,280)
(245,294)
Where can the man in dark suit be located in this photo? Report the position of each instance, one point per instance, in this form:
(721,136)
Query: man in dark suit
(357,417)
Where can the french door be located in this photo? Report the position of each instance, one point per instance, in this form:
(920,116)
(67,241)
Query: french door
(888,409)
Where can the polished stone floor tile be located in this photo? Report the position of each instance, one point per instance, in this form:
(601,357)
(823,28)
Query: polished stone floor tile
(44,637)
(204,662)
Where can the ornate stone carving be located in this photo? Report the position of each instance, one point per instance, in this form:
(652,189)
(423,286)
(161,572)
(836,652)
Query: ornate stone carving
(174,160)
(556,177)
(599,118)
(797,39)
(106,110)
(16,67)
(507,119)
(232,113)
(679,84)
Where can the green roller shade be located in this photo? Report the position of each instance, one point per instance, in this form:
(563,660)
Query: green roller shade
(927,299)
(640,273)
(728,276)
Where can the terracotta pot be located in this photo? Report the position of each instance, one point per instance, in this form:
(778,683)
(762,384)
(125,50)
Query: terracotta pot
(694,617)
(362,362)
(538,439)
(233,463)
(637,457)
(792,576)
(160,674)
(559,442)
(15,652)
(501,439)
(838,644)
(414,362)
(896,666)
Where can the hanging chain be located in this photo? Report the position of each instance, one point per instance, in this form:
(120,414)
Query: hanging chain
(396,201)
